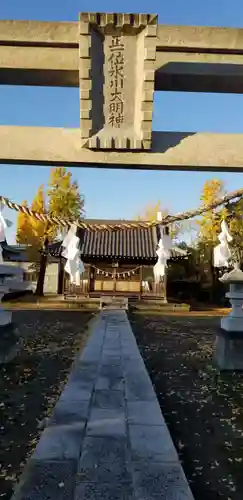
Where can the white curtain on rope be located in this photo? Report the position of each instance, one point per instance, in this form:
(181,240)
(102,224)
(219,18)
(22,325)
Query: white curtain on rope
(164,253)
(74,265)
(4,224)
(222,251)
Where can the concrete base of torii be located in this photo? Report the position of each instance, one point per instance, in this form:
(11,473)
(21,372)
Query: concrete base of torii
(5,316)
(229,340)
(10,343)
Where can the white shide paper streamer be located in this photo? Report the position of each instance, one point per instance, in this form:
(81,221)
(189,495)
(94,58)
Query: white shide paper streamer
(4,224)
(163,252)
(74,265)
(222,251)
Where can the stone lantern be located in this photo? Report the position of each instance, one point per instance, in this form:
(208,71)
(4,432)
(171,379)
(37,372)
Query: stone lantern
(229,339)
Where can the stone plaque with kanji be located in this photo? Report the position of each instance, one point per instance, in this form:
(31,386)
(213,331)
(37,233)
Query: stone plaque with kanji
(117,57)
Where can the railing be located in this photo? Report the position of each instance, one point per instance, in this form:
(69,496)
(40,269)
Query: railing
(152,289)
(148,290)
(71,289)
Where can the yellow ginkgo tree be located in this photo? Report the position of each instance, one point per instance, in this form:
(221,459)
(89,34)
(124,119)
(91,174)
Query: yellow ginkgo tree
(62,199)
(150,212)
(209,229)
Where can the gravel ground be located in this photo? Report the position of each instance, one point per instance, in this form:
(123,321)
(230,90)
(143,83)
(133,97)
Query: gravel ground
(203,409)
(31,384)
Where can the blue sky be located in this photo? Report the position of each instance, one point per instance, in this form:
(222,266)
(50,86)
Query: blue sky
(121,194)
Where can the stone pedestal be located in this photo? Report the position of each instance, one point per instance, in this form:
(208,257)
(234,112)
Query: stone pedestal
(229,350)
(10,343)
(5,316)
(229,340)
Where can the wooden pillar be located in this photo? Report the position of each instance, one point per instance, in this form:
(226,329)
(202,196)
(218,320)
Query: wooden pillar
(114,279)
(43,265)
(165,286)
(91,278)
(141,281)
(60,284)
(89,274)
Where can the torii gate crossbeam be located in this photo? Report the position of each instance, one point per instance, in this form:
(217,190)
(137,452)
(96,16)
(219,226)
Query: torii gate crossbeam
(198,59)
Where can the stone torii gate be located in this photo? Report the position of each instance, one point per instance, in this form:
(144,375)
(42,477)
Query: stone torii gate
(117,61)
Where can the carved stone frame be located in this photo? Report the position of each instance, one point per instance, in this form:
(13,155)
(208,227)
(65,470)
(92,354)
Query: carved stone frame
(93,29)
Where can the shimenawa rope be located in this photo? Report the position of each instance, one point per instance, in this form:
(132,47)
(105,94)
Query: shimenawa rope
(169,219)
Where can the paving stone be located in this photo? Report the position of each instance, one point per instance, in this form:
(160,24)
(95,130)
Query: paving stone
(47,481)
(138,386)
(111,346)
(77,391)
(127,340)
(104,449)
(84,371)
(65,413)
(151,443)
(145,413)
(133,365)
(131,354)
(93,467)
(104,472)
(109,371)
(111,383)
(157,481)
(91,355)
(108,399)
(92,349)
(103,491)
(93,345)
(112,332)
(60,442)
(111,360)
(83,377)
(112,342)
(111,352)
(112,338)
(104,422)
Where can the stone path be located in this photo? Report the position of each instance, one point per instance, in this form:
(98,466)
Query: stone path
(107,438)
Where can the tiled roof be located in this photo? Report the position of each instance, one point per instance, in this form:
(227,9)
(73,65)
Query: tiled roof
(13,252)
(131,243)
(139,243)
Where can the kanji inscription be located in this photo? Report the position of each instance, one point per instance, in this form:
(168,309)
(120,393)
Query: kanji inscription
(117,56)
(116,81)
